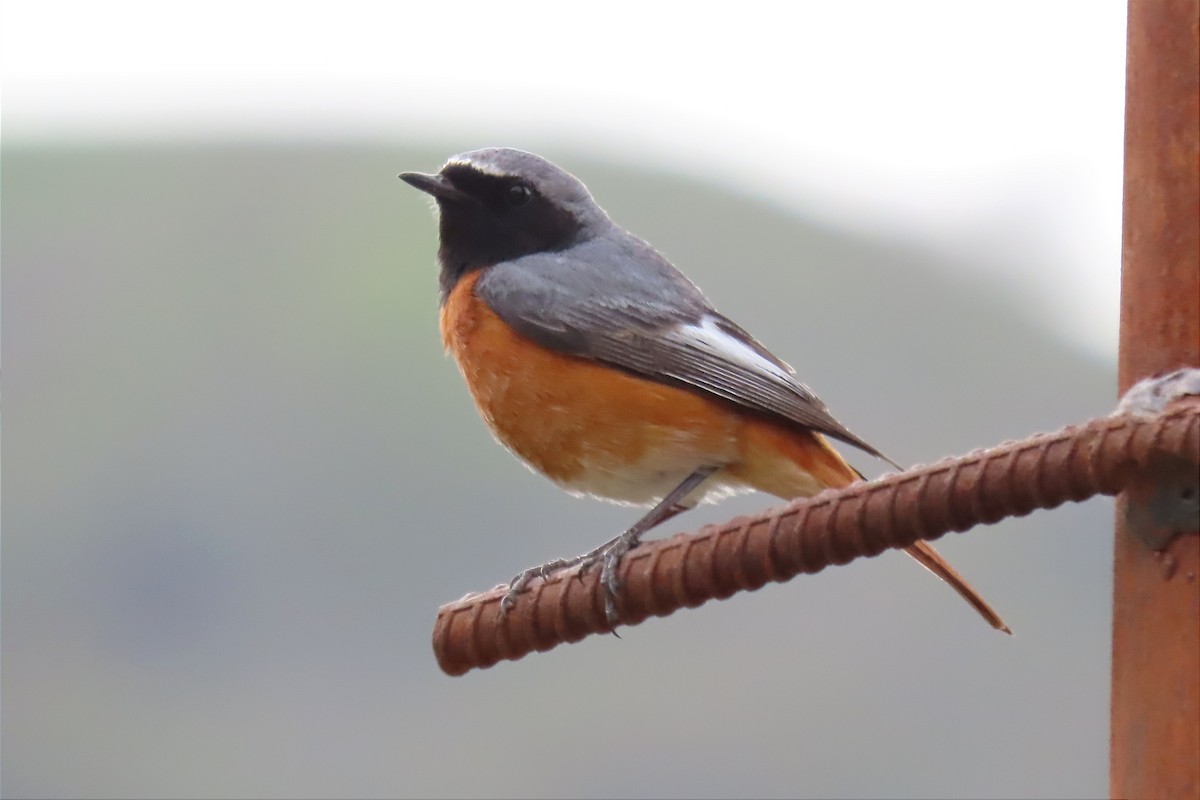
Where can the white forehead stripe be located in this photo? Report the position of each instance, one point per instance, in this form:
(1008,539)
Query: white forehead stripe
(707,336)
(485,167)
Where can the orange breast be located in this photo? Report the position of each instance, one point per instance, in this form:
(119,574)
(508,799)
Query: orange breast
(588,427)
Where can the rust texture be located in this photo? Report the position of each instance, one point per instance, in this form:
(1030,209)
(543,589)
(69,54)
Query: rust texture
(1156,597)
(662,576)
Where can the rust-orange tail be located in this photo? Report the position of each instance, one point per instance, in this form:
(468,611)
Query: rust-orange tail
(932,560)
(791,464)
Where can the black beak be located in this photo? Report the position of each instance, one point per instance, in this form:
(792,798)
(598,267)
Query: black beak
(436,185)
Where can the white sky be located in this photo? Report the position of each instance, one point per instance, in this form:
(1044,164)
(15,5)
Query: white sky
(935,120)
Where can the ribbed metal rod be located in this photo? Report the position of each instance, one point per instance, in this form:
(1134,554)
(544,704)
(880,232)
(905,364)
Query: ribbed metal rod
(745,553)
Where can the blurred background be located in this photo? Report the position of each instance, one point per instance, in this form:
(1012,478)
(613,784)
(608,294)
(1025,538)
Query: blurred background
(242,477)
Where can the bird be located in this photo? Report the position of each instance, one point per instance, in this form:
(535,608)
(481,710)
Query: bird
(600,365)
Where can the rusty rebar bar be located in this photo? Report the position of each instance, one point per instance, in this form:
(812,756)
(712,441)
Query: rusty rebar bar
(865,519)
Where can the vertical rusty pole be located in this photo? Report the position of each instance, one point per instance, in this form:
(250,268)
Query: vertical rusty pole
(1156,609)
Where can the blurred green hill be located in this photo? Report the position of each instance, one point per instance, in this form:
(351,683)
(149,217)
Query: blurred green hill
(241,477)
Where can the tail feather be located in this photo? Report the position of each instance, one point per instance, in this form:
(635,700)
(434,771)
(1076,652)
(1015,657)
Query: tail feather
(932,560)
(778,461)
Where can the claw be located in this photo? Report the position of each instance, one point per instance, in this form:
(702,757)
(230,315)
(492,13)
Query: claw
(520,581)
(611,556)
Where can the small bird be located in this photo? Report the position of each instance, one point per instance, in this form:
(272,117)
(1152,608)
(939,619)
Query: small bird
(601,366)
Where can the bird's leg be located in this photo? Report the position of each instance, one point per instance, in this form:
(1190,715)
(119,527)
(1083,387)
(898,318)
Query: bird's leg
(612,552)
(609,554)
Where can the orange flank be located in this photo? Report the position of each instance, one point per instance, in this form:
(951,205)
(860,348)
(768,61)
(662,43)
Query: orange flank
(788,461)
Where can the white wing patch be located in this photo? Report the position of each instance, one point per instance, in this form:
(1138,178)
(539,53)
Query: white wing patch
(707,336)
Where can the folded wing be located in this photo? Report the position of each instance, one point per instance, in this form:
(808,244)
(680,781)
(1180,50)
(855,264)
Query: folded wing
(626,305)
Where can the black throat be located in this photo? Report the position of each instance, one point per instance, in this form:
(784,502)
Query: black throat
(489,229)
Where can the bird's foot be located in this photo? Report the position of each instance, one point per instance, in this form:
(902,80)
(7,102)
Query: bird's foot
(608,555)
(543,571)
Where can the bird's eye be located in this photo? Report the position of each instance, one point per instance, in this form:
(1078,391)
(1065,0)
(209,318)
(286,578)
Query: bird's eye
(518,195)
